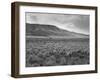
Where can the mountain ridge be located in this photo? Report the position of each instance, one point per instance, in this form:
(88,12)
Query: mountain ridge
(50,30)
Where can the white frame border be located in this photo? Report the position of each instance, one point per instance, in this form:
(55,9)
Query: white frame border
(38,70)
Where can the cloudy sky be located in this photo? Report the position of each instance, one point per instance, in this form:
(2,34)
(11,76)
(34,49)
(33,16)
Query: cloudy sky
(71,22)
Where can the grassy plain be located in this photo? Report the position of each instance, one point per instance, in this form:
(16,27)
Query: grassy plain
(55,52)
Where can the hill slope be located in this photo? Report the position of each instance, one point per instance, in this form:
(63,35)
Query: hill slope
(50,30)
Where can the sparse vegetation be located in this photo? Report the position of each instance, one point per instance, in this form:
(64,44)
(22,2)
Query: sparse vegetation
(53,52)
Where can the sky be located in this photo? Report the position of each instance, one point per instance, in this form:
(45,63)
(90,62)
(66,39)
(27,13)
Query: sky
(71,22)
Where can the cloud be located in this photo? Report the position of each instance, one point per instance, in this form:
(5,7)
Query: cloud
(72,22)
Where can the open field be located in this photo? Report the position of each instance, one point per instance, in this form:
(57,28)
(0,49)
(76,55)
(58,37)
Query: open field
(53,52)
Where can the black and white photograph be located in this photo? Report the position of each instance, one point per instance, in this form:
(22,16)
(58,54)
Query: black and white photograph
(53,39)
(57,39)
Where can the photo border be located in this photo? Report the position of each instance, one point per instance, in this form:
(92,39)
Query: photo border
(15,32)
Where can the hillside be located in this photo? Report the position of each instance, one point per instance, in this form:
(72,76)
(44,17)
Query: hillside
(50,30)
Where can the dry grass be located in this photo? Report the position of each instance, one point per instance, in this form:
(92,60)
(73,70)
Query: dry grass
(52,52)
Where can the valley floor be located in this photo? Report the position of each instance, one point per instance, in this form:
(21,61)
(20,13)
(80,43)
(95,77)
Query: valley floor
(53,52)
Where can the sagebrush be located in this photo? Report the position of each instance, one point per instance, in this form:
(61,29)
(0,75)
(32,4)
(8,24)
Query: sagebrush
(53,52)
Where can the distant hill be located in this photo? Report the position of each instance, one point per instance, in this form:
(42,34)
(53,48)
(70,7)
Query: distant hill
(50,31)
